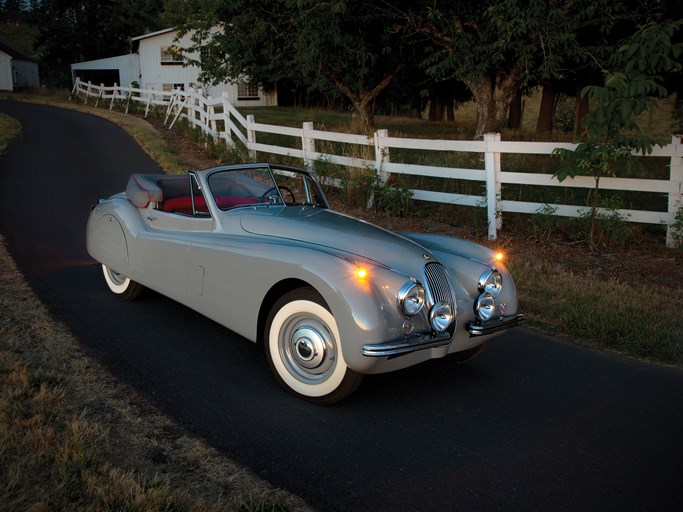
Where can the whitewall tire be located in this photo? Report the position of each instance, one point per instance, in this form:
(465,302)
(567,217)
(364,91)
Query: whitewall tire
(124,287)
(303,349)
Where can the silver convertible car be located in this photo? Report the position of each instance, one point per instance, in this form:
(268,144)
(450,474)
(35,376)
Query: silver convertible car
(256,248)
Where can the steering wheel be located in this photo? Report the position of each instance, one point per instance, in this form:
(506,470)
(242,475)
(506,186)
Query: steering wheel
(280,187)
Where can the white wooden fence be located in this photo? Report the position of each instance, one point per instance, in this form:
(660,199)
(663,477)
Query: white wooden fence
(218,118)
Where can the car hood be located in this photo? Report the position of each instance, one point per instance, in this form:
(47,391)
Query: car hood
(340,232)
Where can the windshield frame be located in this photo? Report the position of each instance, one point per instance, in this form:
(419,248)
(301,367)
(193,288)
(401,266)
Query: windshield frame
(228,200)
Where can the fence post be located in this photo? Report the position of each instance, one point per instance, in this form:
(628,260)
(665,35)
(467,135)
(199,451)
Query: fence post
(493,186)
(130,95)
(676,175)
(73,91)
(381,155)
(307,144)
(171,103)
(150,95)
(226,118)
(114,95)
(99,96)
(201,104)
(87,93)
(211,117)
(251,137)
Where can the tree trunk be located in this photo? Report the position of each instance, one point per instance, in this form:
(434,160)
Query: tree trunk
(515,116)
(581,109)
(367,119)
(438,110)
(363,100)
(492,107)
(493,95)
(547,111)
(450,111)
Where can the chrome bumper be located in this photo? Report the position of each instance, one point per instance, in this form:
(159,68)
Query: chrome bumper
(398,348)
(478,328)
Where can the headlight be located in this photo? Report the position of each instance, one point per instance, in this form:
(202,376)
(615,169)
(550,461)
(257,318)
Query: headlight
(411,298)
(485,307)
(490,282)
(441,316)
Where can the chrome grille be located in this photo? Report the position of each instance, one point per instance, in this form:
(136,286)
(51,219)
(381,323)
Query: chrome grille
(437,281)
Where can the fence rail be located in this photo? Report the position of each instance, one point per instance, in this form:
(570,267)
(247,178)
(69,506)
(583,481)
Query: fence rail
(218,118)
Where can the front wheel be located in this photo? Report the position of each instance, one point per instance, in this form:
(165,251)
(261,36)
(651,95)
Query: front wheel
(303,349)
(123,286)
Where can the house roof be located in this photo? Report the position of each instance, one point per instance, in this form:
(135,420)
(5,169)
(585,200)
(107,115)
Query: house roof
(152,34)
(14,53)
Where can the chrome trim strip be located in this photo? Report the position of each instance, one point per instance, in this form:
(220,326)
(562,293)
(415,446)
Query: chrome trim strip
(479,329)
(402,347)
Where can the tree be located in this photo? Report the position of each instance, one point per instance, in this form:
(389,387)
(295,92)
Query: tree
(345,45)
(633,77)
(498,47)
(77,30)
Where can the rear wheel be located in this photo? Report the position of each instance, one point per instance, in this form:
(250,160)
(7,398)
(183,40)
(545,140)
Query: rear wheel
(303,349)
(123,286)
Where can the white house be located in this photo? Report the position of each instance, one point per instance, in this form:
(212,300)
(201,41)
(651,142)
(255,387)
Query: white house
(155,66)
(17,71)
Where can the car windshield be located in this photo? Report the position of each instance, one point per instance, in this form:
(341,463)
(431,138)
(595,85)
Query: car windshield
(264,186)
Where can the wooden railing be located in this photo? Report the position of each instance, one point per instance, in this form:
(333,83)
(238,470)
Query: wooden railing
(218,118)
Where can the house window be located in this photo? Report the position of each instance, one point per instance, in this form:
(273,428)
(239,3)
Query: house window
(204,54)
(173,87)
(247,91)
(170,55)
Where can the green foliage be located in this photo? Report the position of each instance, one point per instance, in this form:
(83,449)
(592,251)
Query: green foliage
(346,46)
(611,229)
(544,222)
(499,47)
(355,187)
(82,30)
(612,135)
(392,200)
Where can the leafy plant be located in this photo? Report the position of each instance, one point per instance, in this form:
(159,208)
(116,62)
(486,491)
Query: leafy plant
(544,222)
(611,229)
(392,200)
(611,133)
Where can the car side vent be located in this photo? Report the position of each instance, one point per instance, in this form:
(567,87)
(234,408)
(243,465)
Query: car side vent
(438,283)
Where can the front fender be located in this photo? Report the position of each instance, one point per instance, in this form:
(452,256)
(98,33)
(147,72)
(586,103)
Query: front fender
(365,309)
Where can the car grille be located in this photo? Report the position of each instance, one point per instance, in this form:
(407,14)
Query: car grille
(437,281)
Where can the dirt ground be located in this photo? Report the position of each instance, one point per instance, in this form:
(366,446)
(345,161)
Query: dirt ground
(645,260)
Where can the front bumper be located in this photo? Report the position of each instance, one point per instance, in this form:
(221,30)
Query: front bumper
(475,328)
(478,328)
(398,348)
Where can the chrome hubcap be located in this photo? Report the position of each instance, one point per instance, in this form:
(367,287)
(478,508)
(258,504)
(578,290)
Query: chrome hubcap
(115,277)
(307,348)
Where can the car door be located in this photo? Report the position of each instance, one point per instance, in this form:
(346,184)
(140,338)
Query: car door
(165,247)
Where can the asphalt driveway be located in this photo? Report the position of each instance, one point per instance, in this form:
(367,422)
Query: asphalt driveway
(533,424)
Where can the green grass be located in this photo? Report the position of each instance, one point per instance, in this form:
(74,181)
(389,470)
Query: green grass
(635,319)
(9,129)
